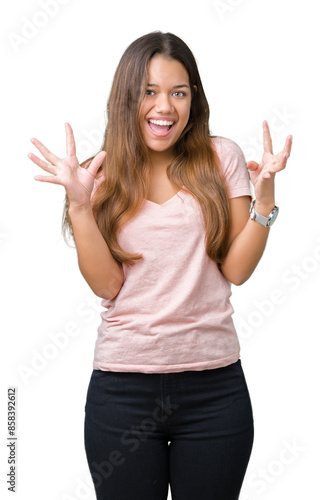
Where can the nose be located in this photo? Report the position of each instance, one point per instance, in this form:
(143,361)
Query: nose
(163,104)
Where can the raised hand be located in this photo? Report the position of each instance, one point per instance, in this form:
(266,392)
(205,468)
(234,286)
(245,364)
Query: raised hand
(77,181)
(262,175)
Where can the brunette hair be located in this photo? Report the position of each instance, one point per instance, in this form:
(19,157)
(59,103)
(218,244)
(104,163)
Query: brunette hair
(125,169)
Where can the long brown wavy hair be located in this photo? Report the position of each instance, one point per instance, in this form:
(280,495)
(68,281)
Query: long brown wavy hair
(126,167)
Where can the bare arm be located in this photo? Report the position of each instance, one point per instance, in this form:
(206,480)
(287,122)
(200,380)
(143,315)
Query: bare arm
(248,237)
(101,271)
(97,265)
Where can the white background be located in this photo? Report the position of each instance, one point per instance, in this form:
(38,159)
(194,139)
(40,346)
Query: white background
(257,60)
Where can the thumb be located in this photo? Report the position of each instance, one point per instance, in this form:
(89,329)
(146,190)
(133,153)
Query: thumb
(96,163)
(252,165)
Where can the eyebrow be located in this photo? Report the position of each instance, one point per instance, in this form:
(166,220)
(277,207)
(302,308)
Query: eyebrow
(175,87)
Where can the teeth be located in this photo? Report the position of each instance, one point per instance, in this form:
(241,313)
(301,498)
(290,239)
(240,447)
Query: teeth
(161,122)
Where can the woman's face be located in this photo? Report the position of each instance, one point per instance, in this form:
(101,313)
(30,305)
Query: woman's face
(165,110)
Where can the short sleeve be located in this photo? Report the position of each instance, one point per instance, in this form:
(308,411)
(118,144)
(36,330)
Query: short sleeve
(234,167)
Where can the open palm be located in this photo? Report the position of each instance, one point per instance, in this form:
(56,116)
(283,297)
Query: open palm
(262,175)
(78,181)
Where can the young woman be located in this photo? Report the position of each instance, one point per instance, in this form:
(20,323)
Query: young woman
(162,223)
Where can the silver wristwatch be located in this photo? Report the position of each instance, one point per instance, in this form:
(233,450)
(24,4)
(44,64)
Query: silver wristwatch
(265,221)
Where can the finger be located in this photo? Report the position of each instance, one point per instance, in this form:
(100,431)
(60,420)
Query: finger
(71,145)
(42,164)
(288,145)
(47,178)
(252,165)
(283,161)
(45,152)
(267,142)
(96,163)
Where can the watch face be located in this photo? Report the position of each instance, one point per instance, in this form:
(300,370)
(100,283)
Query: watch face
(274,216)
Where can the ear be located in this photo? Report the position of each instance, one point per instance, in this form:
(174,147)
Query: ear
(195,88)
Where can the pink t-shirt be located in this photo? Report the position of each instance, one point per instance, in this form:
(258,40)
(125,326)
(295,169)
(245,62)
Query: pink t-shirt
(173,311)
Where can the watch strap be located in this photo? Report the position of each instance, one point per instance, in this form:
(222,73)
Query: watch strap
(264,221)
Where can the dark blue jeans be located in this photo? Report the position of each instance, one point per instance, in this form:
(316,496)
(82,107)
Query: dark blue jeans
(131,417)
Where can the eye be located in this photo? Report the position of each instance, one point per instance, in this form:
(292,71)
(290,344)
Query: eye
(148,91)
(181,94)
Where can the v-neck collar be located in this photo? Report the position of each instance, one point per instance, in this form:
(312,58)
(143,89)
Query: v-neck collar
(149,202)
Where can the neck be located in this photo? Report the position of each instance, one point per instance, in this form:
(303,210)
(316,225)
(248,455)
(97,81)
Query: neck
(160,161)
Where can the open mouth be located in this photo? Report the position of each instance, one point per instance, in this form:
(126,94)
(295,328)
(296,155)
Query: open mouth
(160,129)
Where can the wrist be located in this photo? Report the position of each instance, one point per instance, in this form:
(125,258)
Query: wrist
(264,208)
(265,214)
(75,209)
